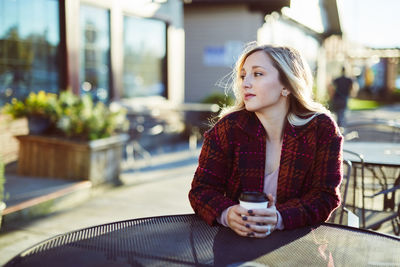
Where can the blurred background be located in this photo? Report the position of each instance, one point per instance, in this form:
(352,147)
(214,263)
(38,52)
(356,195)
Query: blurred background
(152,55)
(166,63)
(156,56)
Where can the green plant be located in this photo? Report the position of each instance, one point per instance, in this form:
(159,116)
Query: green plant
(220,99)
(36,104)
(359,104)
(82,119)
(72,116)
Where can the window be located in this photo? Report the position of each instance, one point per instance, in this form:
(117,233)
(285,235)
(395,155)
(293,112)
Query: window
(144,57)
(95,73)
(29,48)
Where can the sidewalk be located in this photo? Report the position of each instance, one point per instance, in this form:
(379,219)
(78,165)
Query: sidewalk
(391,112)
(159,189)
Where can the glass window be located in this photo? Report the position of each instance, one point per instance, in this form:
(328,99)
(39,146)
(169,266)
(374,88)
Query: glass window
(29,48)
(144,57)
(95,74)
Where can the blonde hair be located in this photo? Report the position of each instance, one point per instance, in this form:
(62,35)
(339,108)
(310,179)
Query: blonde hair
(295,75)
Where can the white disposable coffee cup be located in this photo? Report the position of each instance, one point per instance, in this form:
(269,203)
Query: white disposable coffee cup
(253,200)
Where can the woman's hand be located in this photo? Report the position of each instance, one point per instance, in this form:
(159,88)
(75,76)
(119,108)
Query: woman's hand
(254,223)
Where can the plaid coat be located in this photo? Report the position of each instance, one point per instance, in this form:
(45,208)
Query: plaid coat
(232,160)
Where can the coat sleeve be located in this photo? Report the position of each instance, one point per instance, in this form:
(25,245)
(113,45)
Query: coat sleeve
(323,196)
(207,195)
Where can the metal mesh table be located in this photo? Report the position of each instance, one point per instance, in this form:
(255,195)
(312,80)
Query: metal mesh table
(185,240)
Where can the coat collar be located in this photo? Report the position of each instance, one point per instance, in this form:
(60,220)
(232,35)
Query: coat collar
(251,125)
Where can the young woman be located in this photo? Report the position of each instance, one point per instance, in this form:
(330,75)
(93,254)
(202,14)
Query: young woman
(275,139)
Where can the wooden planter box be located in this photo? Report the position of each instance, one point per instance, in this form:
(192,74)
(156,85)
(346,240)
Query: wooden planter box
(97,161)
(8,130)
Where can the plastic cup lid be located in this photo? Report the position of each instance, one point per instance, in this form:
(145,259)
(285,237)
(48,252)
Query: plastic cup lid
(253,196)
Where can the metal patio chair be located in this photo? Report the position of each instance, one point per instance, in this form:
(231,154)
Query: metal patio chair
(339,214)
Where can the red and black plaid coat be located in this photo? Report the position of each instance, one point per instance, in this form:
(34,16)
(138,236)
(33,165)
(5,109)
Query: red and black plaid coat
(232,160)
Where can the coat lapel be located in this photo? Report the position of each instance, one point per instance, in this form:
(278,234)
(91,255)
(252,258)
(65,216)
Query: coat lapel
(251,160)
(298,149)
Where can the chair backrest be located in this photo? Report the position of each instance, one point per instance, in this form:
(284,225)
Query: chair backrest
(373,131)
(338,215)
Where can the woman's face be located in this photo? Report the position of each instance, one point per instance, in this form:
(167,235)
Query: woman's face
(260,84)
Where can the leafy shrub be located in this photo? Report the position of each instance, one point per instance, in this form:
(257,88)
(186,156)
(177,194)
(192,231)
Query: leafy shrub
(72,116)
(41,104)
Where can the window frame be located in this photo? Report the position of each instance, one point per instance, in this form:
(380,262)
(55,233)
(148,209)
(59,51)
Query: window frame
(164,62)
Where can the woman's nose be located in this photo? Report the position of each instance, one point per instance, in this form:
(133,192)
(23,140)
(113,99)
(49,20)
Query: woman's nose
(246,83)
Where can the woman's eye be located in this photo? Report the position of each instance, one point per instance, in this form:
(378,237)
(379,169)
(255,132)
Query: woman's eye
(242,77)
(256,74)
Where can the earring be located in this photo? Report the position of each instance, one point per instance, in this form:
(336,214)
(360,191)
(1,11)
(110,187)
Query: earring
(285,93)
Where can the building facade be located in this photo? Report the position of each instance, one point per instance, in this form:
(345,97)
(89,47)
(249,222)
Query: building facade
(113,50)
(216,32)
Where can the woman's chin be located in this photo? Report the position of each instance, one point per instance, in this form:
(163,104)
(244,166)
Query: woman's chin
(250,108)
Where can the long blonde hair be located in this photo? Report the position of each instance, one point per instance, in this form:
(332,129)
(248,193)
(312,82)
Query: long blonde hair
(295,75)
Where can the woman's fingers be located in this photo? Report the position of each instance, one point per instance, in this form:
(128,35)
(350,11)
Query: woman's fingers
(257,223)
(261,235)
(263,221)
(235,213)
(262,231)
(239,210)
(268,228)
(266,216)
(241,228)
(235,219)
(256,231)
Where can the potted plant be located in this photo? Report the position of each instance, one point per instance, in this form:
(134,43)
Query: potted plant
(41,110)
(80,118)
(85,140)
(2,182)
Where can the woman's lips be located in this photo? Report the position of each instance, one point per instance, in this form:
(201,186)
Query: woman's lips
(248,96)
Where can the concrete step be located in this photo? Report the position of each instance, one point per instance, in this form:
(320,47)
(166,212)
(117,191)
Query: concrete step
(26,201)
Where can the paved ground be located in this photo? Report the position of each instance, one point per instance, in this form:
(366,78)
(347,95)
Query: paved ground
(391,112)
(158,190)
(151,191)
